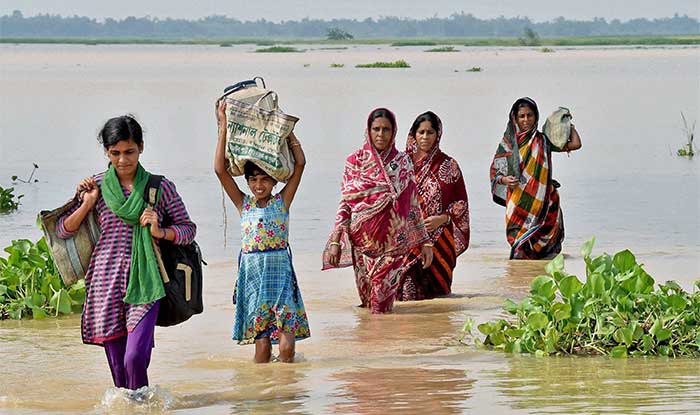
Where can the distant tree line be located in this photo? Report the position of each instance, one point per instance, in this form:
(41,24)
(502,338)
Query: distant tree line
(219,27)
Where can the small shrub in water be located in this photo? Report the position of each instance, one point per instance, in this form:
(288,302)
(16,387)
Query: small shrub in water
(278,49)
(443,49)
(547,50)
(8,201)
(615,312)
(474,69)
(688,149)
(337,65)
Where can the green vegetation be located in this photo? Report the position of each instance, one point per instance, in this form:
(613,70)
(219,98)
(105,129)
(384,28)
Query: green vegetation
(30,284)
(474,69)
(31,176)
(279,49)
(669,40)
(547,50)
(443,49)
(335,33)
(337,65)
(529,38)
(397,64)
(226,45)
(614,312)
(417,42)
(8,201)
(688,149)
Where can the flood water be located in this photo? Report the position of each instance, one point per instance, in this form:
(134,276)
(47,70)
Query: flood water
(626,187)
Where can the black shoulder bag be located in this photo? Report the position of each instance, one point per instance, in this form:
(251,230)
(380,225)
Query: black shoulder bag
(181,269)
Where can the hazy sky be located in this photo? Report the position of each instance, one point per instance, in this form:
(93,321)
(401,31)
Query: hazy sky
(276,10)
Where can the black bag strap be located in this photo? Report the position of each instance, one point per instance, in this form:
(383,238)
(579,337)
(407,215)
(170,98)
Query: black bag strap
(151,191)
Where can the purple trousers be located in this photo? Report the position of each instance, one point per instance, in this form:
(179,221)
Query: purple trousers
(128,356)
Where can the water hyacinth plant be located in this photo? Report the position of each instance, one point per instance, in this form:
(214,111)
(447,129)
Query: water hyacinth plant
(8,201)
(615,312)
(30,284)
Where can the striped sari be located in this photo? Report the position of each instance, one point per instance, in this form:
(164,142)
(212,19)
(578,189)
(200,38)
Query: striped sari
(534,220)
(441,190)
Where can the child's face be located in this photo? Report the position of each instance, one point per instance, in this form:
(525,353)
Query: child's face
(261,185)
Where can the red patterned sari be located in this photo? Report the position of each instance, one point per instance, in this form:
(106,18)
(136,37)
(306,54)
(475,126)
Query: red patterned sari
(441,190)
(378,221)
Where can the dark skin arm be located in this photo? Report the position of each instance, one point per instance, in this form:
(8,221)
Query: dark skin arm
(221,163)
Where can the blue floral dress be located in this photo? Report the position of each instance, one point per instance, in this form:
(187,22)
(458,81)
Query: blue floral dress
(267,294)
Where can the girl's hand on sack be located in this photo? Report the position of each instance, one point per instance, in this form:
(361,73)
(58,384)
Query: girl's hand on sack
(150,217)
(426,255)
(88,191)
(510,181)
(220,109)
(433,222)
(334,255)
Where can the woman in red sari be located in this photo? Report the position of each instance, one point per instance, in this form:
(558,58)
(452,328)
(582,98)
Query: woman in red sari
(521,180)
(443,199)
(379,218)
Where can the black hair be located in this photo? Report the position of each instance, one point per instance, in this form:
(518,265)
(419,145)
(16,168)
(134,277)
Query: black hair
(122,128)
(382,113)
(251,169)
(426,116)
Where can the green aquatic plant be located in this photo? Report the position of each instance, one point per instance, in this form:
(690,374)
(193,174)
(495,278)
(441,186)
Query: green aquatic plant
(414,43)
(474,69)
(443,49)
(547,50)
(337,65)
(30,283)
(279,49)
(397,64)
(615,312)
(688,149)
(8,201)
(16,178)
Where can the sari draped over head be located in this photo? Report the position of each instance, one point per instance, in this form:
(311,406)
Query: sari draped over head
(441,190)
(534,220)
(378,220)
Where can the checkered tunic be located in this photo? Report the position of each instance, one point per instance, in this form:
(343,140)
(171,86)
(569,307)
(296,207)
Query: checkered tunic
(105,315)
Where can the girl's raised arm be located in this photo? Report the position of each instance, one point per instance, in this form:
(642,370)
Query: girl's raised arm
(221,163)
(292,185)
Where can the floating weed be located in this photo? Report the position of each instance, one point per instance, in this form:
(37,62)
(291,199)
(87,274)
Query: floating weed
(397,64)
(474,69)
(414,43)
(31,176)
(30,284)
(225,45)
(614,312)
(8,201)
(337,65)
(279,49)
(547,50)
(443,49)
(306,65)
(688,149)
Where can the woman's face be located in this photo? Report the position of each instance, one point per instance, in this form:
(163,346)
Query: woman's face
(525,118)
(124,156)
(426,136)
(380,133)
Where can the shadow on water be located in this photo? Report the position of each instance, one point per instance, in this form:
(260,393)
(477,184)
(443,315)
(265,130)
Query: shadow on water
(577,385)
(401,390)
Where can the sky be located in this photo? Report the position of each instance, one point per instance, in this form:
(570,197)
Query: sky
(278,10)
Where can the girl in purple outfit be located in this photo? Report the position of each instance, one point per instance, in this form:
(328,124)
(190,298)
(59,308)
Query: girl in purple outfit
(121,298)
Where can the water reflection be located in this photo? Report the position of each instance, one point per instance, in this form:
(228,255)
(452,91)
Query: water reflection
(598,384)
(410,390)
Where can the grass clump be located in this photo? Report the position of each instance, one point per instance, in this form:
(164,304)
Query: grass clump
(688,149)
(397,64)
(547,50)
(615,312)
(474,69)
(278,49)
(443,49)
(337,65)
(30,284)
(414,43)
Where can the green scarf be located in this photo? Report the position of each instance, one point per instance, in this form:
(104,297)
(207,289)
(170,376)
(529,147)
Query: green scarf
(145,283)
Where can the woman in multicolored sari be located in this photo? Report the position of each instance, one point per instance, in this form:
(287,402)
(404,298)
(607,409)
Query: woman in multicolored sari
(443,199)
(521,180)
(379,218)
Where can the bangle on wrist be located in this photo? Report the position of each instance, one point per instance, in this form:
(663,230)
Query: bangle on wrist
(429,244)
(334,243)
